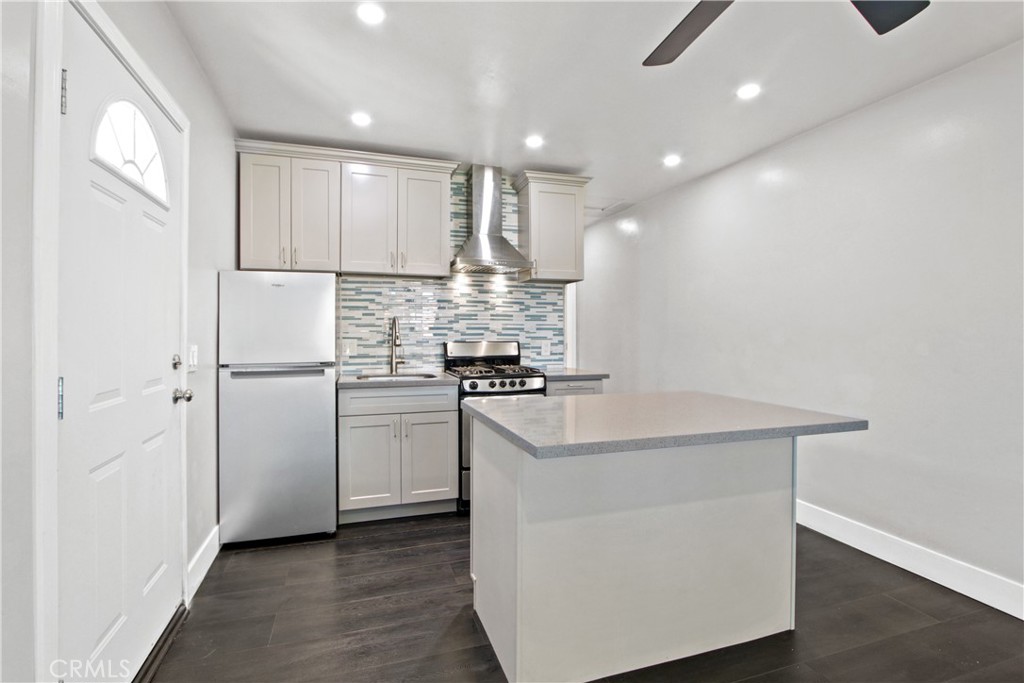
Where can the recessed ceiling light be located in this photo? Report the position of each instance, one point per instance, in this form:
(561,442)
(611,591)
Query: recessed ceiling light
(371,13)
(672,160)
(534,141)
(361,119)
(748,91)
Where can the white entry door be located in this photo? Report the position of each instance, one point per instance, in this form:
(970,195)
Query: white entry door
(120,473)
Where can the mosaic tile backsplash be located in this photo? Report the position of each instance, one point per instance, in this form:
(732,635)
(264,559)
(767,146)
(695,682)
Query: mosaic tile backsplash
(463,307)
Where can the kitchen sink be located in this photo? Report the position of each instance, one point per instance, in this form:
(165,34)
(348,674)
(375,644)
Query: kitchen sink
(398,377)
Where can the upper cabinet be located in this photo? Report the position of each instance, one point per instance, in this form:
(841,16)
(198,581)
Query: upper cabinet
(369,218)
(317,208)
(424,222)
(551,224)
(395,221)
(289,213)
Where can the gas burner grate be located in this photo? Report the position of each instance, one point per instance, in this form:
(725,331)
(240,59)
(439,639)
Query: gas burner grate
(518,370)
(473,370)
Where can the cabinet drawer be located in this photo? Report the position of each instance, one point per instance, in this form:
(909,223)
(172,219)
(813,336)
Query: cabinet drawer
(397,400)
(572,388)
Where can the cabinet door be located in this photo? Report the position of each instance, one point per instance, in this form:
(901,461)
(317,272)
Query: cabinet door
(369,219)
(264,212)
(369,461)
(316,215)
(430,444)
(556,231)
(424,223)
(576,388)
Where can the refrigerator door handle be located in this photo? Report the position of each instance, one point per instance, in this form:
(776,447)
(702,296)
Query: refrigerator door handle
(278,372)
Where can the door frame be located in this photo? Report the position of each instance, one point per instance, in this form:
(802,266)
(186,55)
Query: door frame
(48,61)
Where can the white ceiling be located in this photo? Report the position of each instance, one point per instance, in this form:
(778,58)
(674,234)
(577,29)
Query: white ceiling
(470,80)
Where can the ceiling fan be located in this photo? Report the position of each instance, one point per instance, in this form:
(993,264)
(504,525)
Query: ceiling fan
(883,15)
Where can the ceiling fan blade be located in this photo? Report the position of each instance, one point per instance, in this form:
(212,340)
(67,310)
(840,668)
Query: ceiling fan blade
(885,15)
(692,25)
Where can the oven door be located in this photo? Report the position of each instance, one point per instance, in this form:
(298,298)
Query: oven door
(466,454)
(466,442)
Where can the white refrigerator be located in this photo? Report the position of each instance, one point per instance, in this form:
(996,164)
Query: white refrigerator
(276,400)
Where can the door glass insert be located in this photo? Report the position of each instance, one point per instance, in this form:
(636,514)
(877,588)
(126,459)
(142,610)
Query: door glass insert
(125,144)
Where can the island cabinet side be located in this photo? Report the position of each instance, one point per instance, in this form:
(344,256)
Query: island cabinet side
(599,564)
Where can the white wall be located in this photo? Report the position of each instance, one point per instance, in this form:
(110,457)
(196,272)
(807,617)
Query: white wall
(16,590)
(870,267)
(154,33)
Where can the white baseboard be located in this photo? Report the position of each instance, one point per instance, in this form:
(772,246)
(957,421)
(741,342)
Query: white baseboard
(984,586)
(201,562)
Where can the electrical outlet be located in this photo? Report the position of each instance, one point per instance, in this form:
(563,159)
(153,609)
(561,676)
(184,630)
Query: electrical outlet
(193,357)
(545,348)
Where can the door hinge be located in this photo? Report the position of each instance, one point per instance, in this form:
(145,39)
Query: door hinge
(60,398)
(63,91)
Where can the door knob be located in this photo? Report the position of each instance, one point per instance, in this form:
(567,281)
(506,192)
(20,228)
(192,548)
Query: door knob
(180,395)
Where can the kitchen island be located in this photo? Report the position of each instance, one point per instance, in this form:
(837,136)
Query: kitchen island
(616,531)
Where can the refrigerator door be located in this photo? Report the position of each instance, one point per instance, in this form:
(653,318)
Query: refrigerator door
(278,452)
(273,318)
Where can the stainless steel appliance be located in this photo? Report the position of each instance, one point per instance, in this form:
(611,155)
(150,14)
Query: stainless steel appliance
(486,250)
(277,432)
(485,368)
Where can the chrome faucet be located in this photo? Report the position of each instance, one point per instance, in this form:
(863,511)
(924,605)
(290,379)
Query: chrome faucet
(396,341)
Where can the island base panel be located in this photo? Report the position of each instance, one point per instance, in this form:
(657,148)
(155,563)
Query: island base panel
(593,565)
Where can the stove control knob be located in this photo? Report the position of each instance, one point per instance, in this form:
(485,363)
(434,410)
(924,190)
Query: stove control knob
(522,382)
(493,384)
(502,384)
(473,385)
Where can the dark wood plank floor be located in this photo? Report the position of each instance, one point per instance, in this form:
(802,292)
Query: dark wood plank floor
(391,601)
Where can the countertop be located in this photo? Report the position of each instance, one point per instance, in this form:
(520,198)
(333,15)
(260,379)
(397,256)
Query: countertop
(554,427)
(553,373)
(442,380)
(557,373)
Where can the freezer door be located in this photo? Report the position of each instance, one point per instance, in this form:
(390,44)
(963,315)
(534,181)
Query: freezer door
(278,457)
(271,317)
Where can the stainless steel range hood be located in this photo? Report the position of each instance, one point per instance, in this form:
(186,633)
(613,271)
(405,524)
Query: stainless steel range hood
(486,251)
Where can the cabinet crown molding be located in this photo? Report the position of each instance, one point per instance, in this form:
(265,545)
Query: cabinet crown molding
(527,177)
(344,155)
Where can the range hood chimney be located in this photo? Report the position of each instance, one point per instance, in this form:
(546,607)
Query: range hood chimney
(486,251)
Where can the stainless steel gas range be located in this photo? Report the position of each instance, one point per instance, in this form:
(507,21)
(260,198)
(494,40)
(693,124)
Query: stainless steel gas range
(485,368)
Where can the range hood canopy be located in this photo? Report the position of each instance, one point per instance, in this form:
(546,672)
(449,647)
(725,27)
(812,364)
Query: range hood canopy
(486,251)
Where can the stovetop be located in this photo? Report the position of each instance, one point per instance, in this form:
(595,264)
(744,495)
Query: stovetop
(499,371)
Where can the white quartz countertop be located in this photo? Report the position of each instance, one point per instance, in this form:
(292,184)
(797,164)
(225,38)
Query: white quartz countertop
(558,373)
(559,426)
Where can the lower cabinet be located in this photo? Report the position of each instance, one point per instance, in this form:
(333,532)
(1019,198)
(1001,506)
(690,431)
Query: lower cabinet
(397,458)
(574,387)
(369,461)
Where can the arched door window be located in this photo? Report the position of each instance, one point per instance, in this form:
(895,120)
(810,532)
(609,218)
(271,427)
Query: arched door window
(125,143)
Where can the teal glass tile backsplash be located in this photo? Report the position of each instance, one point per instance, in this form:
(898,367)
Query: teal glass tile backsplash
(462,307)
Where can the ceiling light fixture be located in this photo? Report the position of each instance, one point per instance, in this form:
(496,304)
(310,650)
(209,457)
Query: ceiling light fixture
(371,13)
(361,119)
(672,160)
(748,91)
(534,141)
